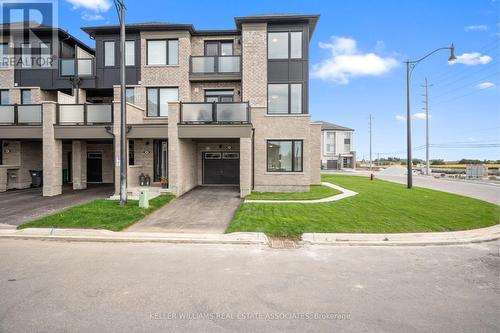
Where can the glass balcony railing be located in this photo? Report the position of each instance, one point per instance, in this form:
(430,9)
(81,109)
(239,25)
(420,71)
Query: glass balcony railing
(216,65)
(84,114)
(81,66)
(21,114)
(206,113)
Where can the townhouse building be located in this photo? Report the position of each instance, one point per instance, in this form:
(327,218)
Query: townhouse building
(337,147)
(218,107)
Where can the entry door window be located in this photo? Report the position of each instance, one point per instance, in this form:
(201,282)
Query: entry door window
(216,96)
(160,159)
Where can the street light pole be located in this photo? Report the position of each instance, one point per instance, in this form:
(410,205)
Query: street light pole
(120,7)
(410,65)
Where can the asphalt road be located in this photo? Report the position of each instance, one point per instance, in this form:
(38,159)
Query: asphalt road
(116,287)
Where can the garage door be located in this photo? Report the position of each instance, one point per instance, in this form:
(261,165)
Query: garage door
(221,168)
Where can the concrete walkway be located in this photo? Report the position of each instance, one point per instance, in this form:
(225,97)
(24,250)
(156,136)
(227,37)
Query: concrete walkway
(202,210)
(345,194)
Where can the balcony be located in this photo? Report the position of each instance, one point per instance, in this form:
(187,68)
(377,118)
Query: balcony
(209,68)
(21,121)
(21,114)
(218,113)
(214,120)
(81,67)
(84,121)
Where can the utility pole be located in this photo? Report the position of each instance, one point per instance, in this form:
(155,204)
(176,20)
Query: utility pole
(370,142)
(426,108)
(120,8)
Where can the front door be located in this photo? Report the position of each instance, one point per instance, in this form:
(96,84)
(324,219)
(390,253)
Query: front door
(160,159)
(221,168)
(94,167)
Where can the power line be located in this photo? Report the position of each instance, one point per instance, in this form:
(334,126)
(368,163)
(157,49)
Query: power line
(467,85)
(462,96)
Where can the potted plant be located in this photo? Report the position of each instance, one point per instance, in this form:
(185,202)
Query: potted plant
(164,182)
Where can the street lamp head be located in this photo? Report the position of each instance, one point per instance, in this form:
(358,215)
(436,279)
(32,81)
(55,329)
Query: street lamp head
(452,53)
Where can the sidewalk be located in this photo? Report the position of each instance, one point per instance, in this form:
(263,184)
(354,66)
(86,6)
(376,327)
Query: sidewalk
(257,238)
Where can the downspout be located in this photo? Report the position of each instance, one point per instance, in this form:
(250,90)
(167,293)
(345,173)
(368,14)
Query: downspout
(253,158)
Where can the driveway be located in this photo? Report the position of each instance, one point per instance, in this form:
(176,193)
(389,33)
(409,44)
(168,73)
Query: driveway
(202,210)
(21,206)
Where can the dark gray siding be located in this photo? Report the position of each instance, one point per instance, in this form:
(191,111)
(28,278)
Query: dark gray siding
(106,77)
(292,70)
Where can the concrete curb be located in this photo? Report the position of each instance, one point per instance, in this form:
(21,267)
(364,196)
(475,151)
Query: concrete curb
(345,194)
(257,238)
(89,235)
(401,239)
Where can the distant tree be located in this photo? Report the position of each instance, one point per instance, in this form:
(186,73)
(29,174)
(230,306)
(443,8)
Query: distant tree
(468,161)
(437,162)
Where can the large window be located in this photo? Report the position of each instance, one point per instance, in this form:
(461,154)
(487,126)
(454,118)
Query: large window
(224,95)
(45,55)
(129,53)
(284,45)
(26,96)
(26,55)
(284,155)
(330,142)
(109,54)
(284,98)
(347,142)
(216,48)
(4,97)
(158,99)
(131,152)
(4,55)
(163,52)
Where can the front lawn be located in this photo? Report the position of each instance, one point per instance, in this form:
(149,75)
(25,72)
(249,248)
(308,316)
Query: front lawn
(315,192)
(99,214)
(380,207)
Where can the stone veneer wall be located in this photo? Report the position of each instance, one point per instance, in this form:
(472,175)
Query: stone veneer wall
(254,58)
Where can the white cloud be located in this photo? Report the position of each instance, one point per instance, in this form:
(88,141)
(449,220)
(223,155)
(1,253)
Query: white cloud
(485,85)
(479,27)
(91,17)
(420,116)
(400,117)
(471,59)
(346,62)
(94,5)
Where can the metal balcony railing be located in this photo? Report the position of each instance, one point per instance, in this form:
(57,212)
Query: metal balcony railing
(215,65)
(208,113)
(84,114)
(80,67)
(21,114)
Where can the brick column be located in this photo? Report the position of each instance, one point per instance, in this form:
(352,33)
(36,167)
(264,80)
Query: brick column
(79,164)
(116,131)
(173,148)
(245,166)
(52,153)
(315,153)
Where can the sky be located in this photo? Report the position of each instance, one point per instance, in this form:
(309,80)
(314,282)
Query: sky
(356,64)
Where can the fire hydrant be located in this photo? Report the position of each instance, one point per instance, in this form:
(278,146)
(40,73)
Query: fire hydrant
(372,176)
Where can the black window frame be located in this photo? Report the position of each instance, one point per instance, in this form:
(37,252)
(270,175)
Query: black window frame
(293,141)
(219,47)
(104,53)
(218,95)
(22,96)
(166,40)
(289,32)
(158,99)
(2,91)
(289,111)
(128,41)
(4,56)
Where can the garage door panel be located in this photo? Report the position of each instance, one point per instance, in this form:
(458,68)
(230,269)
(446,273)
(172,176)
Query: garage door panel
(221,169)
